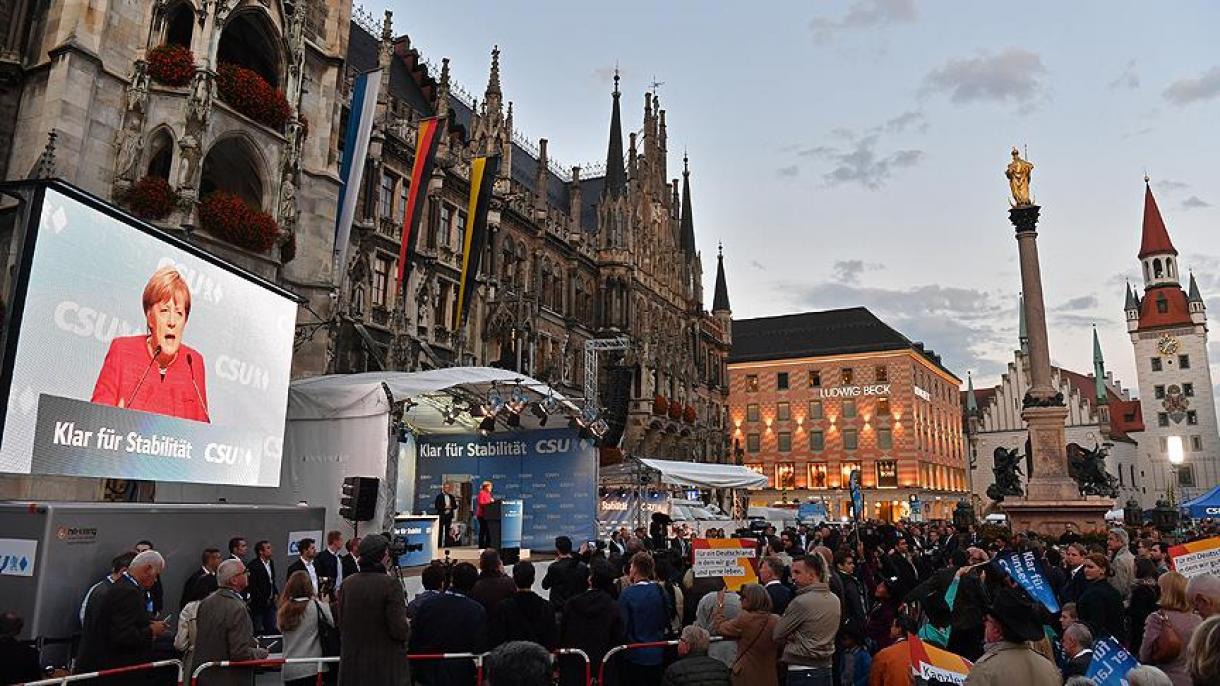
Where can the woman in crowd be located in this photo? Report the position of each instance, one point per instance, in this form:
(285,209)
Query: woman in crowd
(881,617)
(1174,615)
(1205,653)
(754,630)
(1101,605)
(298,616)
(1144,595)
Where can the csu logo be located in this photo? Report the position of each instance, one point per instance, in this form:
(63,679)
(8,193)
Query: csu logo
(550,446)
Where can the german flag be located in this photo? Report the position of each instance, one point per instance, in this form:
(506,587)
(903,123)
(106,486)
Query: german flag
(421,172)
(483,172)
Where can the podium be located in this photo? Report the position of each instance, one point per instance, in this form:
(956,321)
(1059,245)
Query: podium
(504,521)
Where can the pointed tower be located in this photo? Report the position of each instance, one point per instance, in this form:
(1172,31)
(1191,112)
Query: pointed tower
(972,401)
(1132,309)
(612,210)
(1099,371)
(720,299)
(616,175)
(1169,335)
(687,237)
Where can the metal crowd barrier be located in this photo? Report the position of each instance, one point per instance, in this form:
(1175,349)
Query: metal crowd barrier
(269,662)
(477,657)
(601,671)
(143,667)
(582,655)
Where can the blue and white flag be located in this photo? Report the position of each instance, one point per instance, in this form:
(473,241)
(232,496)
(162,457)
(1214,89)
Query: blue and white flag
(355,150)
(1110,663)
(1024,569)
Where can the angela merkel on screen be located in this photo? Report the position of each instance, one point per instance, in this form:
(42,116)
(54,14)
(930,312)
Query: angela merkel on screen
(157,372)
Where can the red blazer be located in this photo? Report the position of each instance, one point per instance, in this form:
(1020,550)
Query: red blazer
(485,499)
(172,394)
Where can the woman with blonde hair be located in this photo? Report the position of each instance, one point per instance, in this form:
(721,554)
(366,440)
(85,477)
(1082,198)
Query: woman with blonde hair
(480,513)
(754,629)
(298,616)
(1173,618)
(1205,653)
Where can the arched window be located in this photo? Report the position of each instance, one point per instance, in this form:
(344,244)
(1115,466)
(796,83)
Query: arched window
(249,41)
(232,165)
(161,154)
(578,307)
(180,25)
(1157,271)
(1147,274)
(1169,267)
(508,267)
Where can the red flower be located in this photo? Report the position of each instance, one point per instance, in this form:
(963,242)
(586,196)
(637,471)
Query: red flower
(151,198)
(250,94)
(230,218)
(660,405)
(172,65)
(690,415)
(675,410)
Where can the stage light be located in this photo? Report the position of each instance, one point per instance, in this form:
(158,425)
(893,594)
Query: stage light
(449,414)
(599,428)
(538,411)
(513,420)
(517,400)
(495,401)
(549,404)
(488,425)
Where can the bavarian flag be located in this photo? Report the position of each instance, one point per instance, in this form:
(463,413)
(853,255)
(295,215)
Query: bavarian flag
(426,144)
(483,172)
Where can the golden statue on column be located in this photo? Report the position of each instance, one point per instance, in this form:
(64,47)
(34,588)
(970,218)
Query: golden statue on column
(1018,174)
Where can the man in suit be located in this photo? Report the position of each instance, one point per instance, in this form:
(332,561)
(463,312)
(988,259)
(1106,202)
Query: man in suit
(328,562)
(223,630)
(349,561)
(1073,557)
(119,629)
(900,565)
(156,593)
(1078,647)
(238,548)
(771,574)
(305,563)
(450,623)
(262,590)
(202,581)
(118,567)
(445,506)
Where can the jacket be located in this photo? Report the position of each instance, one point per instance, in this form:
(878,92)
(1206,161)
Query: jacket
(592,622)
(696,669)
(190,589)
(756,646)
(808,626)
(262,590)
(525,616)
(854,599)
(1007,663)
(1184,623)
(1078,665)
(1075,585)
(448,623)
(1101,608)
(305,641)
(223,631)
(705,617)
(116,631)
(18,662)
(891,666)
(184,640)
(645,612)
(1123,563)
(780,594)
(373,623)
(491,590)
(565,578)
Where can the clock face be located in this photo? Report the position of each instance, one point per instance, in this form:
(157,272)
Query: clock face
(1168,345)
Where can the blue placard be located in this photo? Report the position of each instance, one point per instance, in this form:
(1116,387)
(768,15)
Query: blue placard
(1024,569)
(857,498)
(552,472)
(811,511)
(1110,663)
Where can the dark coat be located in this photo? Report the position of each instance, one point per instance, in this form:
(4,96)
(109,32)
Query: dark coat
(781,595)
(526,616)
(189,591)
(697,670)
(327,564)
(592,622)
(1079,665)
(492,589)
(373,624)
(263,589)
(565,578)
(223,631)
(1101,608)
(116,631)
(18,662)
(448,623)
(854,599)
(1073,587)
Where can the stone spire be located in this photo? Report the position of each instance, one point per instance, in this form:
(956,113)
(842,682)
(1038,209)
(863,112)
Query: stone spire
(720,299)
(972,402)
(1022,327)
(44,166)
(493,81)
(616,176)
(1099,370)
(687,237)
(1193,295)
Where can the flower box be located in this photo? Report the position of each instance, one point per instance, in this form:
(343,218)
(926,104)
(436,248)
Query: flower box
(250,94)
(690,415)
(230,218)
(675,410)
(151,198)
(171,65)
(660,405)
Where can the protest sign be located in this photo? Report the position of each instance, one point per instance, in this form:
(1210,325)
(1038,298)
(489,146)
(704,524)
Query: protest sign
(1024,569)
(1196,558)
(1110,663)
(731,559)
(931,665)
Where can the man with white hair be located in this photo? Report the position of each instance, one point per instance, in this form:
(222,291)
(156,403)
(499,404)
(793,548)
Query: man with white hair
(224,630)
(119,629)
(1123,562)
(694,665)
(1078,646)
(1203,592)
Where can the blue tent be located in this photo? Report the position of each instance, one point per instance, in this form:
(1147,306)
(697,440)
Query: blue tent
(1206,505)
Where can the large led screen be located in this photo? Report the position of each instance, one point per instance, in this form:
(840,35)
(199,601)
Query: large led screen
(138,359)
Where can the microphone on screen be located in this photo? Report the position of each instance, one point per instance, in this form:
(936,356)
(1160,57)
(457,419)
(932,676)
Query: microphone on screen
(190,365)
(156,351)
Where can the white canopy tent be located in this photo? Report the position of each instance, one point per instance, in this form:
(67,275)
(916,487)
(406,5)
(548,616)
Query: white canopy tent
(683,474)
(340,425)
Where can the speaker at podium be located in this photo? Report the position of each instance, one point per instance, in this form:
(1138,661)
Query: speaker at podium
(504,520)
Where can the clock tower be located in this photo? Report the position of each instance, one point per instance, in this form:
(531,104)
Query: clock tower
(1168,328)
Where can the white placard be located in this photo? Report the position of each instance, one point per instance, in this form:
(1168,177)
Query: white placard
(294,537)
(717,562)
(17,556)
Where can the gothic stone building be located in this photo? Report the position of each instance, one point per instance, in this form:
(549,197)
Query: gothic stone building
(573,256)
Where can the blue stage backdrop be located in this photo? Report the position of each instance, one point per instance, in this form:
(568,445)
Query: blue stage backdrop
(552,471)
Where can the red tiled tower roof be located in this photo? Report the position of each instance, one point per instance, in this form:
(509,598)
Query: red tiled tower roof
(1155,239)
(1176,309)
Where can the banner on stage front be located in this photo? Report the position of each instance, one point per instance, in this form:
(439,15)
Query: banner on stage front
(931,665)
(733,560)
(1110,664)
(1196,558)
(1024,570)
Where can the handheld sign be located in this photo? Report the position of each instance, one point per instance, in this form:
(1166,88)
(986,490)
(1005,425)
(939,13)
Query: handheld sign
(1024,570)
(1110,664)
(1196,558)
(733,560)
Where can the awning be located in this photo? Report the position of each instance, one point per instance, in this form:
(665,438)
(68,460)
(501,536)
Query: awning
(686,474)
(1206,505)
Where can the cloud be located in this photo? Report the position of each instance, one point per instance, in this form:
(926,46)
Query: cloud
(914,120)
(1194,202)
(1138,132)
(969,328)
(1169,185)
(1203,87)
(865,14)
(789,171)
(1067,320)
(757,265)
(862,164)
(1083,302)
(1014,75)
(1127,79)
(849,271)
(606,74)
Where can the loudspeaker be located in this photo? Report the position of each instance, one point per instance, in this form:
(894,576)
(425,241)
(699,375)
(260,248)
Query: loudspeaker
(618,397)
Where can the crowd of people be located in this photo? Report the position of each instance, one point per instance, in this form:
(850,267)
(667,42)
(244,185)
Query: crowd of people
(831,607)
